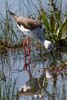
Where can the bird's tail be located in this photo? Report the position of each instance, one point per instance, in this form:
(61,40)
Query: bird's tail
(13,14)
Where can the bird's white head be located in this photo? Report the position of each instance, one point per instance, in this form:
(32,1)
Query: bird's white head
(48,45)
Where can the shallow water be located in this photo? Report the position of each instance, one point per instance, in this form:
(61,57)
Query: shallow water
(14,63)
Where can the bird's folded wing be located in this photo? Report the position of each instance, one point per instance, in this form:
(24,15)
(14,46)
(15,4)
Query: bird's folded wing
(28,23)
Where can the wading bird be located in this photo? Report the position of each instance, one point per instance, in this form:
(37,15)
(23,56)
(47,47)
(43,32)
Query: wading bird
(32,28)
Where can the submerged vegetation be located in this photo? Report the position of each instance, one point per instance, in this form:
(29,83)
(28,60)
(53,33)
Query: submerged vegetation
(34,56)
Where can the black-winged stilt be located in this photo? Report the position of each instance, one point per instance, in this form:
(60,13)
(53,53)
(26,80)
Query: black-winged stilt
(33,29)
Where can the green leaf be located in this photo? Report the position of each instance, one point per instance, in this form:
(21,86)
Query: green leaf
(58,15)
(52,22)
(45,20)
(61,29)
